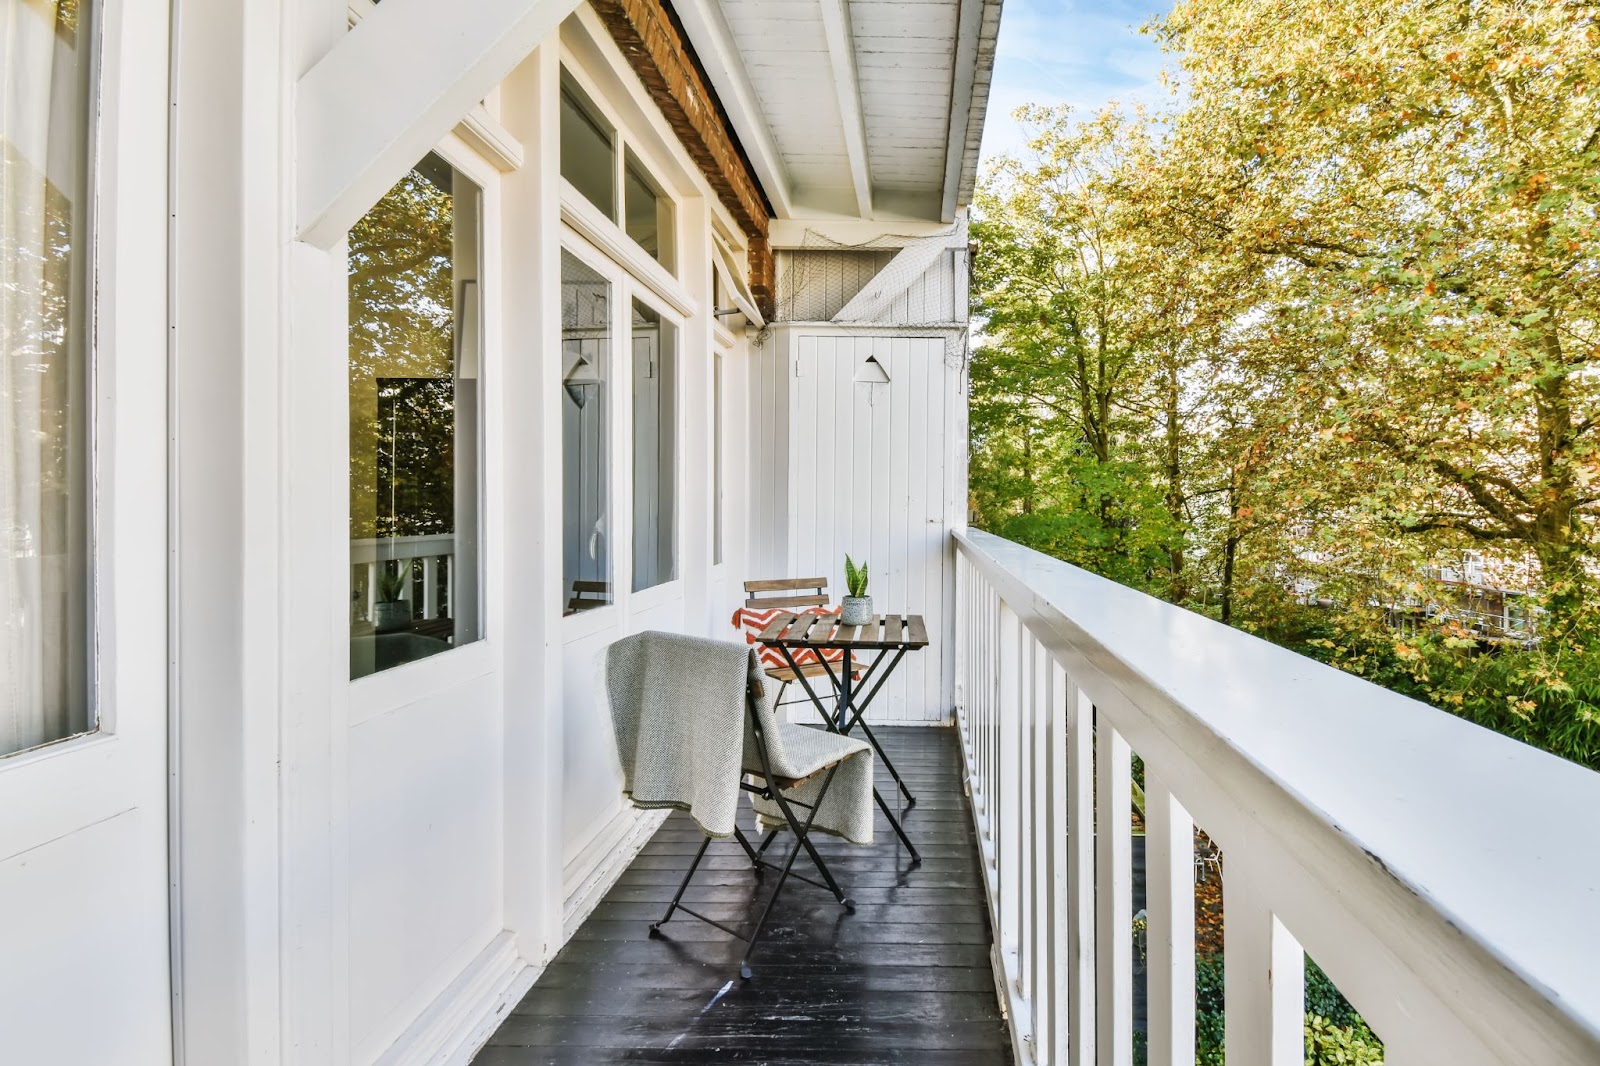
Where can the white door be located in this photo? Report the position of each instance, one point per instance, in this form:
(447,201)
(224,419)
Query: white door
(84,973)
(871,419)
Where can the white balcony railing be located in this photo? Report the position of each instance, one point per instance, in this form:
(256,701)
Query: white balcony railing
(436,553)
(1446,878)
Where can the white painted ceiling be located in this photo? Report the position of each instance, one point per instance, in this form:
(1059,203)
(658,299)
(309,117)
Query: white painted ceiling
(848,108)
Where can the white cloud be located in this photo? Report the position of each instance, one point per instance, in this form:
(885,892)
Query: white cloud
(1085,53)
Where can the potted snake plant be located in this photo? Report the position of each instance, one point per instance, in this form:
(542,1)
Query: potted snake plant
(857,607)
(392,612)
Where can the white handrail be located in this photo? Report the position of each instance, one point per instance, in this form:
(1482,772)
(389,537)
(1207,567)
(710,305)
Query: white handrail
(1445,877)
(435,550)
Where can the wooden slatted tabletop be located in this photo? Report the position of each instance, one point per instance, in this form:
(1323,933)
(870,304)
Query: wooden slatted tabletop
(824,631)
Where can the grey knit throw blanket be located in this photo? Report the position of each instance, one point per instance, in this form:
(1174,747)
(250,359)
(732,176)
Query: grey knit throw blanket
(684,738)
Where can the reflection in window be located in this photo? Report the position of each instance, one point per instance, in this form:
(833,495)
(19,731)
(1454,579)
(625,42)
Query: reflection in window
(655,483)
(45,677)
(588,154)
(647,212)
(415,406)
(585,357)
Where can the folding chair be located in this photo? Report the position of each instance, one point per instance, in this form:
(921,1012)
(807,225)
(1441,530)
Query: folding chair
(789,594)
(764,735)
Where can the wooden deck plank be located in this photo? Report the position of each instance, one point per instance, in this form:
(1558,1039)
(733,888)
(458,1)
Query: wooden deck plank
(905,979)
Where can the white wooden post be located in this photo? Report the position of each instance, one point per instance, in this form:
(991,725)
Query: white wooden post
(1080,878)
(1169,891)
(1113,769)
(1053,1041)
(430,586)
(1002,790)
(450,586)
(1265,974)
(1022,796)
(1039,846)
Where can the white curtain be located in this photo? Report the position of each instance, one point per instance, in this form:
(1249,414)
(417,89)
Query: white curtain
(43,572)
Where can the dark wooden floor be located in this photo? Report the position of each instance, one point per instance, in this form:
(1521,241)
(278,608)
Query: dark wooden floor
(905,979)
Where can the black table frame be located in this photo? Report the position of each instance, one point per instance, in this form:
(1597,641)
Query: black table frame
(848,713)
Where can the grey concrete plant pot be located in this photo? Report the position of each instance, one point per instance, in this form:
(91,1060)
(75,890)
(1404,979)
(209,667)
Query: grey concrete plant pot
(391,615)
(856,611)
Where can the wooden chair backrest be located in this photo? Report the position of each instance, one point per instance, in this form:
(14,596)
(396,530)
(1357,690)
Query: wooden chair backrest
(787,592)
(586,594)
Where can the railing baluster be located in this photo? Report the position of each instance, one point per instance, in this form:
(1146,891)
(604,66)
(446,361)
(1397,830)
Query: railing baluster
(1005,781)
(430,586)
(1022,795)
(1056,834)
(1169,891)
(1264,983)
(1039,846)
(1080,878)
(1113,894)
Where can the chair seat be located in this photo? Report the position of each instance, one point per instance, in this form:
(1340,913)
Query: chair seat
(809,752)
(786,674)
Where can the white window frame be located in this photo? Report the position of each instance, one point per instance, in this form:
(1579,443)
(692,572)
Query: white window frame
(97,272)
(387,690)
(607,233)
(666,590)
(619,511)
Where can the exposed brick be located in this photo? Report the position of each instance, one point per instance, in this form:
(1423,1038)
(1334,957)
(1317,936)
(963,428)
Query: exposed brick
(663,61)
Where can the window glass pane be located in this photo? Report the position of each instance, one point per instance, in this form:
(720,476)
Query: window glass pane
(716,461)
(648,212)
(45,510)
(585,362)
(415,399)
(655,485)
(588,155)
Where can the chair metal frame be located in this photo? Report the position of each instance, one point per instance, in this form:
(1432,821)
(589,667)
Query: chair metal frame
(772,788)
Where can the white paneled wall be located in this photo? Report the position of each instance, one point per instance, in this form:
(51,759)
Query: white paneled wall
(875,469)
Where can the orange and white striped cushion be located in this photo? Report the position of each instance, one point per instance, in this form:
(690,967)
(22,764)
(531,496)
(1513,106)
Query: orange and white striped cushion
(752,622)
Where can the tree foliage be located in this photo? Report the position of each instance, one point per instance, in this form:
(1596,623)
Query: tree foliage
(1285,351)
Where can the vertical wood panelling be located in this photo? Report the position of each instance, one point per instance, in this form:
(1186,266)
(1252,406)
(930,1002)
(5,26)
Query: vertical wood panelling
(867,476)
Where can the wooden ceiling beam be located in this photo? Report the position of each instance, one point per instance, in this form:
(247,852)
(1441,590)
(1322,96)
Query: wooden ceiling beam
(714,45)
(847,87)
(390,88)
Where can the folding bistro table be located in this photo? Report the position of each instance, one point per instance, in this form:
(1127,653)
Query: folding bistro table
(890,637)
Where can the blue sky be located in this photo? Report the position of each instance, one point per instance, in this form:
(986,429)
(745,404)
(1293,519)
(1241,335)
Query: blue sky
(1079,52)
